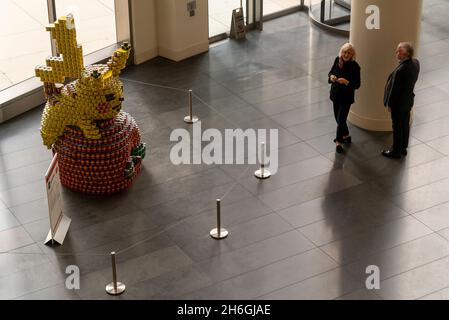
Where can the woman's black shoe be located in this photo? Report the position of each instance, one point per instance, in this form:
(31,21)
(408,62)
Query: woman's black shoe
(339,149)
(347,140)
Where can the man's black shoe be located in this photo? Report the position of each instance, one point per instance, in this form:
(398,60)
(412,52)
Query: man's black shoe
(404,152)
(391,154)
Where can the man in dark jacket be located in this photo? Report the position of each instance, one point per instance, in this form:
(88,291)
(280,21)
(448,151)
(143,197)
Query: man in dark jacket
(399,98)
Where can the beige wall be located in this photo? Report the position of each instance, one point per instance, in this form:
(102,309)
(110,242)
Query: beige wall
(143,17)
(164,27)
(181,36)
(400,20)
(122,20)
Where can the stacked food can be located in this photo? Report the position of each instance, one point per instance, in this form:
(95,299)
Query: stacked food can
(101,166)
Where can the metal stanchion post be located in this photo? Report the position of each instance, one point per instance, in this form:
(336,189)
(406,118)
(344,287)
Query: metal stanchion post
(262,173)
(190,118)
(219,232)
(115,288)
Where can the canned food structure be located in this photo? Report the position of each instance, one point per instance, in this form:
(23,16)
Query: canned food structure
(98,144)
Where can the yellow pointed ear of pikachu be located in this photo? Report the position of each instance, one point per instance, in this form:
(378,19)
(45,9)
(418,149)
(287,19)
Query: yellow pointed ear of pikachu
(118,60)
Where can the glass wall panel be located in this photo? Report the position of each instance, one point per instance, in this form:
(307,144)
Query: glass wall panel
(273,6)
(24,43)
(220,15)
(94,21)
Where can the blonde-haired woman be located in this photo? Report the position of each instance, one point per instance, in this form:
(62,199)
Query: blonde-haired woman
(345,79)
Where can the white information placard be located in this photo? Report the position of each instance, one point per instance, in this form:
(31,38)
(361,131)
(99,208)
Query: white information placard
(59,223)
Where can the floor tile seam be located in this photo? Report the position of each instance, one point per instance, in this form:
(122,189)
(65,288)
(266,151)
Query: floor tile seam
(19,205)
(433,139)
(312,120)
(164,230)
(436,150)
(112,238)
(424,211)
(307,142)
(426,122)
(151,277)
(285,111)
(204,236)
(222,83)
(391,198)
(215,166)
(303,159)
(186,176)
(41,253)
(35,291)
(415,268)
(249,271)
(25,166)
(305,201)
(445,81)
(432,69)
(246,245)
(423,107)
(295,183)
(158,184)
(363,162)
(52,256)
(33,146)
(217,111)
(201,212)
(287,164)
(359,281)
(68,254)
(6,207)
(433,55)
(193,264)
(370,290)
(34,180)
(439,232)
(376,224)
(414,166)
(287,95)
(374,253)
(22,246)
(312,138)
(309,240)
(22,270)
(299,282)
(431,293)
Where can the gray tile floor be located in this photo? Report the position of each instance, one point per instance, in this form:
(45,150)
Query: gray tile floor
(307,233)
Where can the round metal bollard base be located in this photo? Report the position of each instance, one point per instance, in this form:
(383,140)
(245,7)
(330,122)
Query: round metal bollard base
(223,233)
(187,119)
(262,175)
(120,289)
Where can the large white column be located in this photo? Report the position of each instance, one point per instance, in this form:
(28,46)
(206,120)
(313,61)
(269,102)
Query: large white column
(400,21)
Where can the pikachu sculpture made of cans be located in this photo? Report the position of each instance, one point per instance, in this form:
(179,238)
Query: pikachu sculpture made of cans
(98,145)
